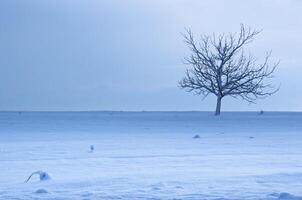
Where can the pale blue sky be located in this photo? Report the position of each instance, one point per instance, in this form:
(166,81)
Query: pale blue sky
(127,55)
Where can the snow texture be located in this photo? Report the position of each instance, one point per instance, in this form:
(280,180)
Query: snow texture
(151,155)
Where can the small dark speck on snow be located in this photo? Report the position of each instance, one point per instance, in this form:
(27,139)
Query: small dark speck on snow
(196,137)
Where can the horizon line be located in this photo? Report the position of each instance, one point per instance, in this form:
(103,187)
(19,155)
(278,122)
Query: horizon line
(226,111)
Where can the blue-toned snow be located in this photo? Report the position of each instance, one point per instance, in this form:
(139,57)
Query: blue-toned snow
(151,155)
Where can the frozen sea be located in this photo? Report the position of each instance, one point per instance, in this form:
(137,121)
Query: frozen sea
(151,155)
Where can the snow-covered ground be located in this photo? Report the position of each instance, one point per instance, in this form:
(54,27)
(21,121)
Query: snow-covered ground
(151,155)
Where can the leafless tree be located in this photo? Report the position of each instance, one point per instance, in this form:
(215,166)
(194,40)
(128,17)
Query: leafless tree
(220,66)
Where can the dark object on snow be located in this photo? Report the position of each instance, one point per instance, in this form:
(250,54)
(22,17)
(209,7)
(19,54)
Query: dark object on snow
(261,112)
(251,137)
(41,191)
(91,148)
(196,137)
(43,176)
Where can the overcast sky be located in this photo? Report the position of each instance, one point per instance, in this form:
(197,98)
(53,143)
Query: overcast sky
(128,55)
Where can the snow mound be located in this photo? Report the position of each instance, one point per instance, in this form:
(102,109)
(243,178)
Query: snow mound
(288,196)
(41,191)
(285,196)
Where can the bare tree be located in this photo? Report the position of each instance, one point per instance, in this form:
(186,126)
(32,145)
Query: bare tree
(220,66)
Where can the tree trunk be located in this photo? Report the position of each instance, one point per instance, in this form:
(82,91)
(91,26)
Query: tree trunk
(218,105)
